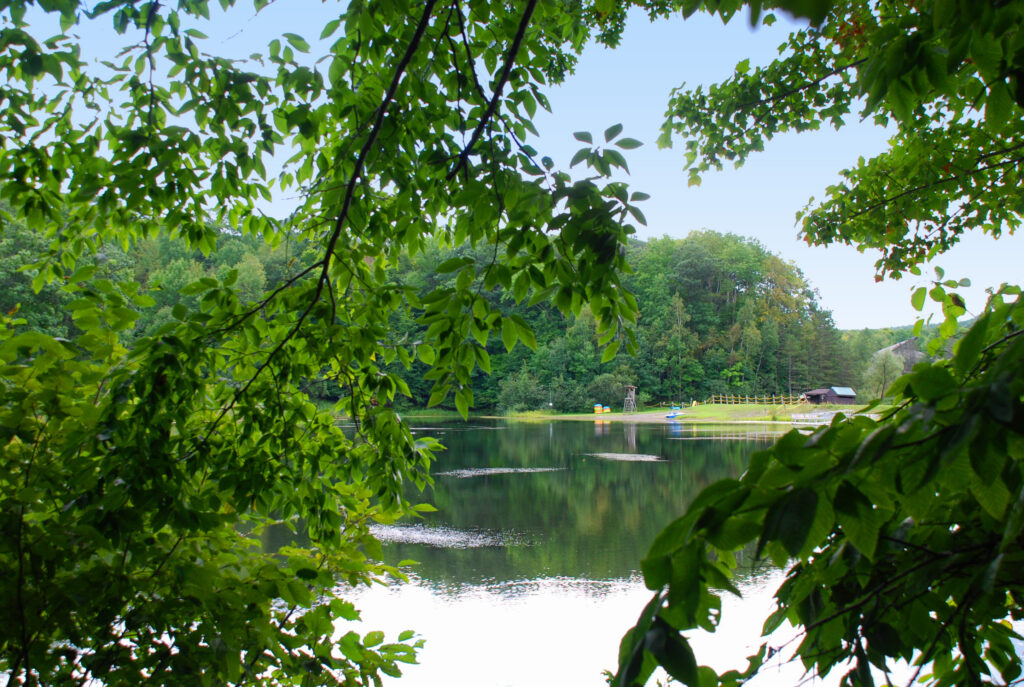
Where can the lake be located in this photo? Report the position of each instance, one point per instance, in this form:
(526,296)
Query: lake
(528,572)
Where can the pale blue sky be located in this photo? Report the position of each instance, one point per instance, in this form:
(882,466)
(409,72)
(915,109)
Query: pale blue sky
(631,85)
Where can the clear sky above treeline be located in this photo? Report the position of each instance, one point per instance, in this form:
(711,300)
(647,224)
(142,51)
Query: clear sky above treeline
(631,85)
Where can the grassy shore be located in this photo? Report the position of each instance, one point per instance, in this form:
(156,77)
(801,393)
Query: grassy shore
(711,413)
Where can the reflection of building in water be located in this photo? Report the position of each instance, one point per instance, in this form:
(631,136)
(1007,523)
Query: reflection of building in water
(699,433)
(630,431)
(602,427)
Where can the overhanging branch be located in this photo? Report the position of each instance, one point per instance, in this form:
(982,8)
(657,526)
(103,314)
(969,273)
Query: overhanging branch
(342,217)
(492,106)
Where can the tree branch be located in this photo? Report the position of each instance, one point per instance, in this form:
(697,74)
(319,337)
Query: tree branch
(342,217)
(492,106)
(924,187)
(782,96)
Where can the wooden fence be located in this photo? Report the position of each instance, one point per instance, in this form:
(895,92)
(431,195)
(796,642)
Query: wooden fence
(774,399)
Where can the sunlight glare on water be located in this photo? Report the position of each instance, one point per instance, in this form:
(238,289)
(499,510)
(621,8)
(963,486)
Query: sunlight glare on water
(555,631)
(528,573)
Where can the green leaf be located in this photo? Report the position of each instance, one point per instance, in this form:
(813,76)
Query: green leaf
(583,137)
(855,514)
(579,157)
(453,264)
(673,652)
(609,352)
(437,395)
(509,333)
(525,332)
(611,132)
(813,10)
(998,106)
(614,158)
(329,28)
(789,520)
(992,496)
(628,143)
(933,382)
(82,274)
(917,299)
(297,42)
(968,349)
(462,404)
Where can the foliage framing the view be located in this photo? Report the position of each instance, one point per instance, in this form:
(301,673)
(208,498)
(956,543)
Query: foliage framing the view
(902,537)
(946,75)
(139,473)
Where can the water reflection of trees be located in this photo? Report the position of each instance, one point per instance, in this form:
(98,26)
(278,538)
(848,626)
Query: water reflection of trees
(592,519)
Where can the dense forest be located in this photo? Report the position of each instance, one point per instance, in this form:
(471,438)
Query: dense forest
(719,314)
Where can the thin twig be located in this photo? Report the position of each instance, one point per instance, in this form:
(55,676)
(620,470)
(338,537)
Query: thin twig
(154,7)
(263,303)
(470,59)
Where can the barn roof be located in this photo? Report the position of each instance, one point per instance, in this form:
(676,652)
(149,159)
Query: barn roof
(816,392)
(844,391)
(899,346)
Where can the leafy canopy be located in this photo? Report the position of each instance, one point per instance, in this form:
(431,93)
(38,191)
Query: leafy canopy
(902,536)
(141,472)
(947,77)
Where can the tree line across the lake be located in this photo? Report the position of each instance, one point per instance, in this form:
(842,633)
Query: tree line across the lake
(719,314)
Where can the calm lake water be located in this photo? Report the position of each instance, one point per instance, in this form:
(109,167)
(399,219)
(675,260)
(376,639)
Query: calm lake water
(528,572)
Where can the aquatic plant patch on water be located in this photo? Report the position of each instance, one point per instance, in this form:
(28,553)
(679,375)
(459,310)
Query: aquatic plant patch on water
(444,537)
(627,457)
(485,472)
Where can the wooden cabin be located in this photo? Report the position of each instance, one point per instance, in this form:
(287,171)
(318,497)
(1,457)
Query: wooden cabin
(838,395)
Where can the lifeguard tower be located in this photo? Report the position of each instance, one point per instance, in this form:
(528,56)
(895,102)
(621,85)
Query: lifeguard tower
(629,405)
